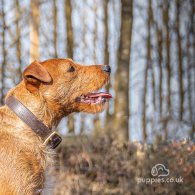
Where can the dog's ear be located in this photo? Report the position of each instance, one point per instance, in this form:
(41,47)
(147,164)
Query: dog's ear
(34,75)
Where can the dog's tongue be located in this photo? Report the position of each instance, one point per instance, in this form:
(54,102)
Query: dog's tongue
(100,94)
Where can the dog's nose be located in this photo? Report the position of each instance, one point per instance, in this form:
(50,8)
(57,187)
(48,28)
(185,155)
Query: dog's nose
(106,68)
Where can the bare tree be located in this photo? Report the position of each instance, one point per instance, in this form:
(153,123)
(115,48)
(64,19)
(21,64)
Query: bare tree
(97,122)
(106,55)
(159,51)
(55,28)
(153,87)
(190,65)
(180,59)
(152,66)
(70,47)
(34,30)
(69,28)
(106,51)
(122,110)
(4,52)
(95,32)
(84,46)
(18,40)
(166,29)
(148,65)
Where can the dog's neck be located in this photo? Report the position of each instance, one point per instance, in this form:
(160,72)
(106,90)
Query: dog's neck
(41,108)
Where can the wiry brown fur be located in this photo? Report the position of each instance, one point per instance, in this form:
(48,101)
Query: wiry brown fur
(50,95)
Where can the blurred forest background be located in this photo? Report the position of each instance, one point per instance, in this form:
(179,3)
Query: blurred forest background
(150,46)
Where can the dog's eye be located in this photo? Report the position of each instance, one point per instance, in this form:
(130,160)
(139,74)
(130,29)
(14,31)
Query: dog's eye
(71,69)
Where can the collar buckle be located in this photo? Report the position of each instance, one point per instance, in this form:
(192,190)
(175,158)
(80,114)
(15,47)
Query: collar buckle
(53,140)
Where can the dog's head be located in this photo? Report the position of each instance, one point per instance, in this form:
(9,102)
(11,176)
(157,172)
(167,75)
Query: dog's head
(67,85)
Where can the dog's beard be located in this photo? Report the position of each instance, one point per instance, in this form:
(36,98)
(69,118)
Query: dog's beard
(92,108)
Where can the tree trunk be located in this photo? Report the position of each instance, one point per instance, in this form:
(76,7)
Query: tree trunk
(153,87)
(122,110)
(4,53)
(148,65)
(193,47)
(34,30)
(69,29)
(152,67)
(180,60)
(190,67)
(55,29)
(84,46)
(96,121)
(168,62)
(159,51)
(106,60)
(18,40)
(95,32)
(69,48)
(189,88)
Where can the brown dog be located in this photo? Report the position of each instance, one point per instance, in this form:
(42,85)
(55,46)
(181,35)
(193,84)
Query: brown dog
(50,90)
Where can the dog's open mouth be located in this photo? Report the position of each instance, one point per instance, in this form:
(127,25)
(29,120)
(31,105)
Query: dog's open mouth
(94,98)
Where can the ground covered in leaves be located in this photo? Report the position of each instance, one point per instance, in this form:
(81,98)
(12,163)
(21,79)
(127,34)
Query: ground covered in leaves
(103,166)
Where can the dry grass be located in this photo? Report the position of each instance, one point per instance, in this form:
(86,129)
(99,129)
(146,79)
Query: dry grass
(103,166)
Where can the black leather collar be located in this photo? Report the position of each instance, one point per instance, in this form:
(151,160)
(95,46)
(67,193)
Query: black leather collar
(50,138)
